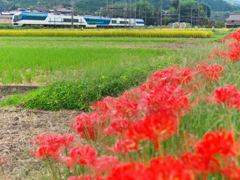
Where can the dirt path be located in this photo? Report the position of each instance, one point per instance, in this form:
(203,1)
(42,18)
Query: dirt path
(18,127)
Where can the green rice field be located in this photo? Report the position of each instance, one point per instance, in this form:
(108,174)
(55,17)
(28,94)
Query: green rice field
(49,64)
(44,60)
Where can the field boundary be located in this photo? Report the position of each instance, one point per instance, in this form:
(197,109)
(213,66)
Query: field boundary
(17,88)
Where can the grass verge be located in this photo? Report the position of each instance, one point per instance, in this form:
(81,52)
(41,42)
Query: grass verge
(80,94)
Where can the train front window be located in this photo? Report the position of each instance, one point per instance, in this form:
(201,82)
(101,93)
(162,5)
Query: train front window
(17,17)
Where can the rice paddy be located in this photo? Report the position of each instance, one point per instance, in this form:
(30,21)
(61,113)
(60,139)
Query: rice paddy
(110,33)
(44,60)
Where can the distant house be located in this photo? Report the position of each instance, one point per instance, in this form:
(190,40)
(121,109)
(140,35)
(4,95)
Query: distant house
(232,20)
(6,18)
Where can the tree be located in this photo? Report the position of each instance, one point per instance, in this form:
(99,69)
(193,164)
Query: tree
(15,6)
(33,7)
(67,5)
(175,4)
(205,22)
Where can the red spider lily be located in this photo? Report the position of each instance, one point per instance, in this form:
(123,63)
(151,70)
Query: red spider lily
(46,151)
(52,145)
(165,98)
(170,169)
(228,95)
(234,44)
(234,54)
(104,164)
(218,54)
(155,127)
(87,177)
(210,72)
(89,124)
(82,154)
(123,146)
(117,126)
(197,164)
(212,153)
(102,107)
(231,171)
(218,143)
(132,171)
(159,169)
(54,140)
(235,36)
(126,108)
(174,76)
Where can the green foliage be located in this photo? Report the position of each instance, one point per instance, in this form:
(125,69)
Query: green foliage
(235,26)
(220,4)
(21,28)
(219,24)
(45,65)
(15,6)
(80,94)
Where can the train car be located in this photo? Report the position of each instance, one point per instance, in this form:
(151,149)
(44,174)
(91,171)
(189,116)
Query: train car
(49,19)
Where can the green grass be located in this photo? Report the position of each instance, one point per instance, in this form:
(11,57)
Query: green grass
(80,71)
(45,65)
(81,94)
(84,41)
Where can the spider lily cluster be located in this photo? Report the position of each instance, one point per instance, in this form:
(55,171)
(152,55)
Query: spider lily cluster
(131,130)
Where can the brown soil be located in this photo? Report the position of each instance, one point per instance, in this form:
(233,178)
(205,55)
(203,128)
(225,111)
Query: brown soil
(165,45)
(18,127)
(177,45)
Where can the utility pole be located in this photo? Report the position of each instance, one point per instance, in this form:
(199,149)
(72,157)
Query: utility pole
(112,9)
(125,14)
(191,15)
(161,13)
(198,13)
(179,14)
(130,15)
(107,6)
(139,15)
(72,3)
(135,13)
(206,11)
(222,13)
(145,13)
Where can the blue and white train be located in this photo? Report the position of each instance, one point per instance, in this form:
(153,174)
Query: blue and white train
(49,19)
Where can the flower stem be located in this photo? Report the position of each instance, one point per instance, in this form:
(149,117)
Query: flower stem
(160,148)
(231,123)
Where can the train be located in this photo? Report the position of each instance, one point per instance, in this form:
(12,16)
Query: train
(23,18)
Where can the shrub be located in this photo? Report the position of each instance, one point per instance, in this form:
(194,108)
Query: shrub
(80,94)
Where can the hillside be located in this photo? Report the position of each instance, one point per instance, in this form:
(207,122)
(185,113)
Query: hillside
(216,5)
(219,5)
(94,5)
(234,2)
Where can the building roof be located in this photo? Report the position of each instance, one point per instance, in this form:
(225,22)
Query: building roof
(6,16)
(229,24)
(5,13)
(233,17)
